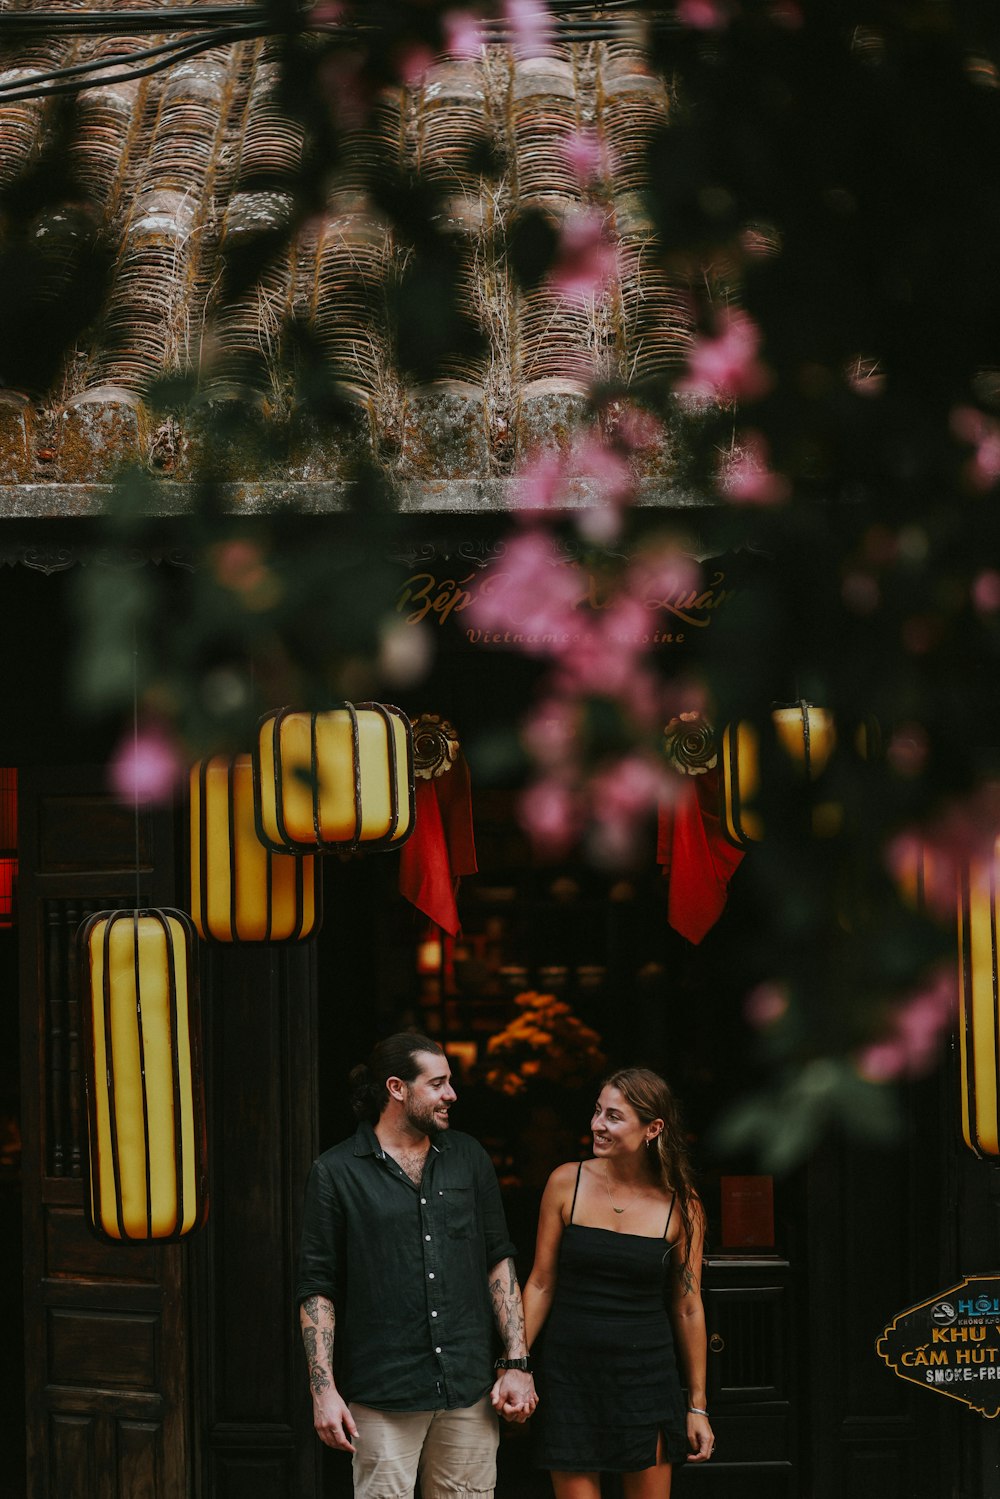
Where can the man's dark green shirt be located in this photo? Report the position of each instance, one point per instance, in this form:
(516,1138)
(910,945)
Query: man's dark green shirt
(407,1270)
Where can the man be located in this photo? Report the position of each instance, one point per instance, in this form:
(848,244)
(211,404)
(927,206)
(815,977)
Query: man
(405,1255)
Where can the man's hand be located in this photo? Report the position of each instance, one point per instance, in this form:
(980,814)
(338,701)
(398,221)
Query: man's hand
(333,1421)
(513,1396)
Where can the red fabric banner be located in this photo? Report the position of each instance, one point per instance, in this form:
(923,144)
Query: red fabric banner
(441,847)
(698,860)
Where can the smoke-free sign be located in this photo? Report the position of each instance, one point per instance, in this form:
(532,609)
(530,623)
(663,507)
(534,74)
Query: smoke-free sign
(951,1343)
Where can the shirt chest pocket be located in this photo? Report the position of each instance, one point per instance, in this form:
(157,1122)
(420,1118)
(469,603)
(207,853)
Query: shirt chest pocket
(459,1212)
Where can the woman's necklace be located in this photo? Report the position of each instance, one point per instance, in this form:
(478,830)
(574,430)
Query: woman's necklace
(607,1188)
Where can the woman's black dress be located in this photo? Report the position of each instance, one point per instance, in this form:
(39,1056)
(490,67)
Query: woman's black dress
(606,1372)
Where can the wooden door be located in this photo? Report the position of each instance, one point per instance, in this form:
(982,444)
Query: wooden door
(105,1330)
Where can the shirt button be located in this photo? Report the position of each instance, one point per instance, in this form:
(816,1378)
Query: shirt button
(433,1314)
(437,1350)
(423,1201)
(427,1237)
(430,1275)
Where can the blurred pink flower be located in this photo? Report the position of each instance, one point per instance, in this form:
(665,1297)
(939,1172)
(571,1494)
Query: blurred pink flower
(551,814)
(983,435)
(661,577)
(631,787)
(539,484)
(587,259)
(463,33)
(703,15)
(530,24)
(348,92)
(605,465)
(966,834)
(584,154)
(145,767)
(911,1046)
(986,592)
(765,1005)
(549,733)
(531,594)
(636,429)
(727,368)
(745,477)
(412,63)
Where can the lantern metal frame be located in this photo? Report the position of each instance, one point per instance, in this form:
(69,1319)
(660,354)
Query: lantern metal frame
(979,1005)
(199,1165)
(388,840)
(201,918)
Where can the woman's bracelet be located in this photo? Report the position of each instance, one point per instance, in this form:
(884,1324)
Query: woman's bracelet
(696,1410)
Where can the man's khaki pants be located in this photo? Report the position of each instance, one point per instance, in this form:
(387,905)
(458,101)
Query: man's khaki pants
(454,1452)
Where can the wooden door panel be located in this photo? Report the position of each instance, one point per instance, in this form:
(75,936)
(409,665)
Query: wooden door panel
(105,1340)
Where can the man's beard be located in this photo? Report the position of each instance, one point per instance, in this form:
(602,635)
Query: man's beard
(424,1120)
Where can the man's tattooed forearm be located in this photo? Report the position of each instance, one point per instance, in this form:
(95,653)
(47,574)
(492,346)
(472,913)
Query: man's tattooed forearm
(507,1310)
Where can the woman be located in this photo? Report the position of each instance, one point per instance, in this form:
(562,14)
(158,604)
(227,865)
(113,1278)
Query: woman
(615,1280)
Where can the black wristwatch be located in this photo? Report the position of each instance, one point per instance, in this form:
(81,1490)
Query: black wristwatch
(523,1364)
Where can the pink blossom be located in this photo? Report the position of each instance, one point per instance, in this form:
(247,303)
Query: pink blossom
(636,429)
(348,92)
(765,1005)
(145,767)
(531,595)
(584,155)
(587,259)
(659,579)
(983,434)
(986,592)
(727,368)
(463,33)
(608,468)
(549,733)
(745,477)
(911,1045)
(412,63)
(630,787)
(703,15)
(965,835)
(540,482)
(551,815)
(530,24)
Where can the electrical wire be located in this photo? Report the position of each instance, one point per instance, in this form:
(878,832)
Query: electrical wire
(618,21)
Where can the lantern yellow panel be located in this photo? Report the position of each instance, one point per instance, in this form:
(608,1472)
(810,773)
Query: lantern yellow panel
(807,735)
(242,891)
(147,1177)
(340,779)
(979,1044)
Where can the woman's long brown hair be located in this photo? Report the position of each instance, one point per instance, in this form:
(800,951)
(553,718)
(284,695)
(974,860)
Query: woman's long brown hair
(651,1098)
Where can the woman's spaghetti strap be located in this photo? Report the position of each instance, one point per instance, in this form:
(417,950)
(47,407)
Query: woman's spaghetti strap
(669,1215)
(576,1189)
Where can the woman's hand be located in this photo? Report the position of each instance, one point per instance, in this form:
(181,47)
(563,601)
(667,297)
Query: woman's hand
(701,1438)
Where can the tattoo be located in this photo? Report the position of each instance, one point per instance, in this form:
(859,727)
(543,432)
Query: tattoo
(507,1309)
(688,1281)
(318,1322)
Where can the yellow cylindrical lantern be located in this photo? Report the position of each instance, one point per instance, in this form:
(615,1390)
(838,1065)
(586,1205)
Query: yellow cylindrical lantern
(336,780)
(978,1029)
(240,890)
(805,733)
(147,1173)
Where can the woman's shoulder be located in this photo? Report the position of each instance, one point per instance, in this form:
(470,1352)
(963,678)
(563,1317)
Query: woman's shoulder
(563,1178)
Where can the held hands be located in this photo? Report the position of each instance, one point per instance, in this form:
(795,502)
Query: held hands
(701,1438)
(513,1396)
(333,1421)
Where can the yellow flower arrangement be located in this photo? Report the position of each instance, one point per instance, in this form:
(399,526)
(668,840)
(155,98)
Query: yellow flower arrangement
(543,1043)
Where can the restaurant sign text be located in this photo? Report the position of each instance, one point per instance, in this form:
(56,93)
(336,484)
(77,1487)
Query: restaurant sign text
(951,1343)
